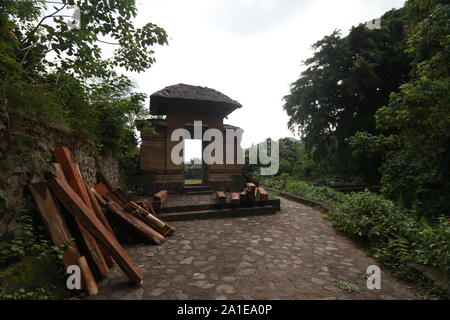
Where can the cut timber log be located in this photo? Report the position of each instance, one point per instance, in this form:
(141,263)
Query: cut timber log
(118,193)
(88,279)
(102,178)
(121,195)
(93,252)
(54,222)
(78,209)
(107,258)
(159,199)
(136,223)
(221,197)
(64,158)
(101,201)
(235,199)
(149,219)
(98,210)
(263,196)
(145,203)
(108,195)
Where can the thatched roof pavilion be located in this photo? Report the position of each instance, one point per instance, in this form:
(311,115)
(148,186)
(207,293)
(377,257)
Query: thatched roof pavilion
(192,99)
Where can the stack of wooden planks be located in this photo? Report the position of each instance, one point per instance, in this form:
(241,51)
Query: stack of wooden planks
(249,196)
(79,216)
(252,194)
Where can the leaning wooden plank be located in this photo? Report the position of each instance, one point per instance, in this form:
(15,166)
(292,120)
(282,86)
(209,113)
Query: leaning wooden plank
(59,232)
(144,203)
(54,222)
(263,196)
(221,197)
(101,201)
(93,252)
(64,158)
(105,261)
(146,217)
(136,223)
(88,279)
(98,210)
(78,209)
(101,216)
(104,191)
(121,195)
(105,180)
(235,199)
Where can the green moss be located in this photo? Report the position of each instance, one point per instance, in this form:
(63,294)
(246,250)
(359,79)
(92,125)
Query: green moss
(33,278)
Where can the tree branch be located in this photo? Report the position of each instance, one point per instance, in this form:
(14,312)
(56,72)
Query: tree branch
(42,20)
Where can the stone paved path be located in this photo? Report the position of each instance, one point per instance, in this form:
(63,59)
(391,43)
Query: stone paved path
(295,254)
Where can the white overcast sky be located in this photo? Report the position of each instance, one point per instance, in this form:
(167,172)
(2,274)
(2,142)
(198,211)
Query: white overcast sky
(250,50)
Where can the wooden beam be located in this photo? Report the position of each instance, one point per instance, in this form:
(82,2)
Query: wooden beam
(59,232)
(64,158)
(159,199)
(235,199)
(88,279)
(107,261)
(136,223)
(93,252)
(221,197)
(148,218)
(263,196)
(102,178)
(121,195)
(144,203)
(108,195)
(99,211)
(101,201)
(78,209)
(54,222)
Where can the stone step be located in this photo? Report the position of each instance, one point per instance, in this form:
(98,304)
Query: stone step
(193,193)
(219,213)
(196,188)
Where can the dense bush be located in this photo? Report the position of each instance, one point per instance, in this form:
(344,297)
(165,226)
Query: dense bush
(394,234)
(370,218)
(303,189)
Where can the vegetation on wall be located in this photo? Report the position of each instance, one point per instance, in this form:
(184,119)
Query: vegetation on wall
(54,75)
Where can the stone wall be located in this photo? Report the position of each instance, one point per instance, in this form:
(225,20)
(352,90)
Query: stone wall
(22,165)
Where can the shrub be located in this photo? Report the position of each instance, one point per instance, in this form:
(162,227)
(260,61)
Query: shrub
(303,189)
(370,218)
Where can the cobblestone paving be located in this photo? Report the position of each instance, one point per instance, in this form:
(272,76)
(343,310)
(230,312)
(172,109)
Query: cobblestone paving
(295,254)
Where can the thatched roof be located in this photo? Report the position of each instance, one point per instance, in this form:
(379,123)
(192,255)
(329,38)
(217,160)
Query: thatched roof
(194,93)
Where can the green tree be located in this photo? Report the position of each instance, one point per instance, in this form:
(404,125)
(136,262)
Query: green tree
(415,125)
(39,29)
(345,83)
